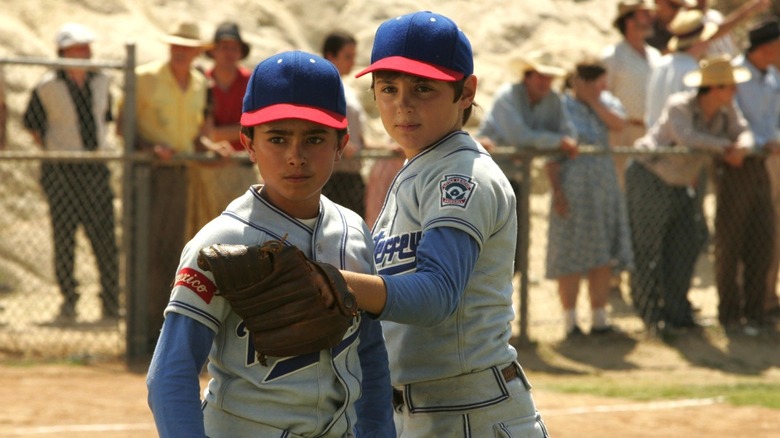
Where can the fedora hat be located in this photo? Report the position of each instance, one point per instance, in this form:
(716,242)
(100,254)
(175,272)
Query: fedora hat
(763,33)
(626,7)
(716,71)
(690,27)
(229,30)
(184,33)
(540,62)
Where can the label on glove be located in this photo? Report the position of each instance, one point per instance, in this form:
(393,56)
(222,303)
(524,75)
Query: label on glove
(197,282)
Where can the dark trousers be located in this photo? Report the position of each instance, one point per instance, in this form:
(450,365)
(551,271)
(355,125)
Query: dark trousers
(667,237)
(80,194)
(167,214)
(744,233)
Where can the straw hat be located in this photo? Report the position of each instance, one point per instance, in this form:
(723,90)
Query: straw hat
(185,33)
(690,27)
(540,62)
(716,71)
(626,7)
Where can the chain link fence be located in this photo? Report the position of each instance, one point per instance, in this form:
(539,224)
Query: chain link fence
(61,280)
(72,233)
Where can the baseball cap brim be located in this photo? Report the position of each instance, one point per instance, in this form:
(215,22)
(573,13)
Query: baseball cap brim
(291,111)
(413,67)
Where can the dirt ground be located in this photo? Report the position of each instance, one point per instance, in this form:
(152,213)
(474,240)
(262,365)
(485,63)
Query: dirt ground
(109,399)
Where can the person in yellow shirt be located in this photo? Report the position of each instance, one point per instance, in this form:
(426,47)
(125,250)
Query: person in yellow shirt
(171,103)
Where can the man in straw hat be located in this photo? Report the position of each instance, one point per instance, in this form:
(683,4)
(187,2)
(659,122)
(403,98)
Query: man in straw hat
(629,63)
(170,110)
(529,114)
(757,190)
(662,212)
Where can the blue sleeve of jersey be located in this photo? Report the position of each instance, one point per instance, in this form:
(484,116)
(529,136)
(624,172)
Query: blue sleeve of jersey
(375,406)
(172,381)
(445,258)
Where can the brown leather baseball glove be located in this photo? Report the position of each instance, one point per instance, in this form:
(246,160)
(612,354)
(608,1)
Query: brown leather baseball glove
(290,304)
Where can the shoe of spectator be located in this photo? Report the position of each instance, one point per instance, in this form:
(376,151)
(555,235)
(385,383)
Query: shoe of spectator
(606,330)
(575,333)
(67,316)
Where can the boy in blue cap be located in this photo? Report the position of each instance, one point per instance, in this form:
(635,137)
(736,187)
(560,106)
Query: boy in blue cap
(444,244)
(294,127)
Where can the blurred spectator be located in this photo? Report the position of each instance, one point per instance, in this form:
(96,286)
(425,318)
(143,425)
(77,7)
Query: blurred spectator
(744,220)
(213,185)
(690,32)
(170,112)
(665,12)
(346,186)
(662,210)
(751,219)
(529,114)
(588,233)
(68,111)
(629,63)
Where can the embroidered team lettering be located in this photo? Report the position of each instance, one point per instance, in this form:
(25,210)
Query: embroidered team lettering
(197,282)
(401,248)
(456,190)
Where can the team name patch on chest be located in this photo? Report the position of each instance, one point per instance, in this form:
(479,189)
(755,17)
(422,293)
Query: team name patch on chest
(456,190)
(197,282)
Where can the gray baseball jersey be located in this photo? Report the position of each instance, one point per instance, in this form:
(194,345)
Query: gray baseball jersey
(283,394)
(454,183)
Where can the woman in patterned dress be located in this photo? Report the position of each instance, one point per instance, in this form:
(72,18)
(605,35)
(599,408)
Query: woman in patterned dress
(588,233)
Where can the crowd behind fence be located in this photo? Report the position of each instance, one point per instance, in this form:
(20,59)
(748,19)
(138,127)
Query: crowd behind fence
(29,293)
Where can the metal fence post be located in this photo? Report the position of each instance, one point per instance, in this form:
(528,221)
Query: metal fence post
(134,283)
(523,218)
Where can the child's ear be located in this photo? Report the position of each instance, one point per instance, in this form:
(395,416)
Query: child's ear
(247,143)
(469,92)
(342,145)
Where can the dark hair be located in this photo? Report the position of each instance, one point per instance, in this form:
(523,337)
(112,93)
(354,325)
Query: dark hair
(457,86)
(620,23)
(249,131)
(335,41)
(590,70)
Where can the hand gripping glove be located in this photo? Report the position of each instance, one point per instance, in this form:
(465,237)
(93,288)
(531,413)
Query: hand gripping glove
(290,304)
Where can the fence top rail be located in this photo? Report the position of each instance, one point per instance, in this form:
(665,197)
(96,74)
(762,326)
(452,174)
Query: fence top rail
(525,152)
(64,62)
(499,152)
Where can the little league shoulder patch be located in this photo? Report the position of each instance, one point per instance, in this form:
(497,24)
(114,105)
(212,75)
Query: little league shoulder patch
(197,282)
(456,190)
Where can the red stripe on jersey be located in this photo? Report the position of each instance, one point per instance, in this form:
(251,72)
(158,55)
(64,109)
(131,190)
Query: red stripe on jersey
(196,282)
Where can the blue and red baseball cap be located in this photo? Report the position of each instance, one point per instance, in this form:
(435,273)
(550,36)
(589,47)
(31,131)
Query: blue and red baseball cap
(295,85)
(423,44)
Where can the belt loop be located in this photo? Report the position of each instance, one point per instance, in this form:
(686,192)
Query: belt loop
(521,374)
